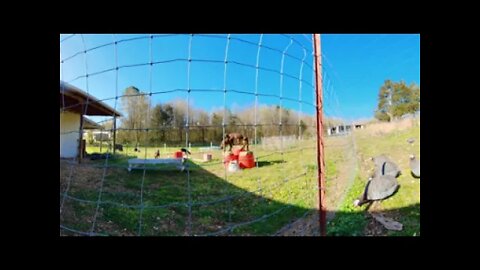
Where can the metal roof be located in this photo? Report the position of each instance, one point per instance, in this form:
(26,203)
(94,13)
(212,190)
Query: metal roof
(76,100)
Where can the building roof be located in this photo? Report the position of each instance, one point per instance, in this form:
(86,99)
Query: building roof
(75,100)
(89,124)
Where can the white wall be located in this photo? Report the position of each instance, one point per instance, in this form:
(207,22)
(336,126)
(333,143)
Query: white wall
(101,136)
(69,141)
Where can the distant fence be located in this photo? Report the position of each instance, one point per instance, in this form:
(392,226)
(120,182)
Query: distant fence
(275,142)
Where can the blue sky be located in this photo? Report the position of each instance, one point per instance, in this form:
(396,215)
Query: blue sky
(354,68)
(359,64)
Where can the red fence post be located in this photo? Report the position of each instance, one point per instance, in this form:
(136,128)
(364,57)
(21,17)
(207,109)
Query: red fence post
(320,152)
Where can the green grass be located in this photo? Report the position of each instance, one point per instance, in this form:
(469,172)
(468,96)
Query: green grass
(349,220)
(404,206)
(208,181)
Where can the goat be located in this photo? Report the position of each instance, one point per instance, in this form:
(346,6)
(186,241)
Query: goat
(234,139)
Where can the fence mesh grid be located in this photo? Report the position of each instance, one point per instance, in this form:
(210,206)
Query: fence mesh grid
(100,194)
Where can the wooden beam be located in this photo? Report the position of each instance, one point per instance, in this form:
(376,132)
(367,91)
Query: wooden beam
(114,131)
(80,140)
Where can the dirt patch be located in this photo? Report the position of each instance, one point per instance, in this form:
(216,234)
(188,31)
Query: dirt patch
(335,193)
(70,218)
(341,184)
(82,176)
(110,227)
(214,226)
(305,226)
(375,228)
(87,176)
(78,215)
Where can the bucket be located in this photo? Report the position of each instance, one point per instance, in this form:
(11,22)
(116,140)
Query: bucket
(233,166)
(246,159)
(207,157)
(228,158)
(178,154)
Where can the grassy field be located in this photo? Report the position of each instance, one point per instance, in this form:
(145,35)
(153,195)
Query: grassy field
(277,192)
(263,200)
(404,206)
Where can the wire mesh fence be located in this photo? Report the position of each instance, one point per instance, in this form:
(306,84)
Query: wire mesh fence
(168,97)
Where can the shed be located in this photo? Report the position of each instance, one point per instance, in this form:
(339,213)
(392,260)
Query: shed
(74,105)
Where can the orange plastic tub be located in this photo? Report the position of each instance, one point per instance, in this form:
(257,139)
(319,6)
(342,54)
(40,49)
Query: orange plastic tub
(236,151)
(246,160)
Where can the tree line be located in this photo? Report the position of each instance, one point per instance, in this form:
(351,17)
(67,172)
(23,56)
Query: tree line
(147,124)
